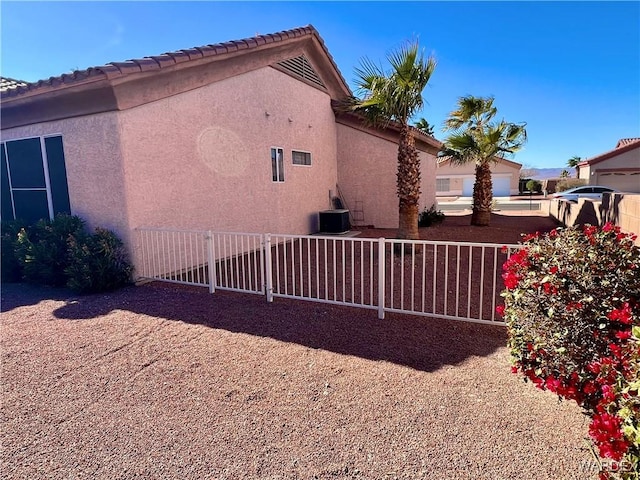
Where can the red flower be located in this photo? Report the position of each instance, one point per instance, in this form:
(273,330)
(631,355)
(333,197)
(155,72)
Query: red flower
(500,310)
(589,388)
(623,334)
(574,306)
(594,367)
(553,270)
(510,280)
(622,315)
(608,394)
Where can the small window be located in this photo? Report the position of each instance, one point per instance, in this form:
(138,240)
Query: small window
(301,158)
(443,184)
(277,164)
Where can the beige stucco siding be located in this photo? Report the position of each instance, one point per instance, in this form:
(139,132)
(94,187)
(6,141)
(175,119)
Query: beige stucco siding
(367,166)
(93,160)
(201,159)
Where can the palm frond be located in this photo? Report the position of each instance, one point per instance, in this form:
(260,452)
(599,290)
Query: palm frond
(395,95)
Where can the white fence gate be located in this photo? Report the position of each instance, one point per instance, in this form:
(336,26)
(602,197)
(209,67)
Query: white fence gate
(454,280)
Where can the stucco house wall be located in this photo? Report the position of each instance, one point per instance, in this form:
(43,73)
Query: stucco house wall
(367,167)
(183,140)
(94,164)
(457,174)
(202,159)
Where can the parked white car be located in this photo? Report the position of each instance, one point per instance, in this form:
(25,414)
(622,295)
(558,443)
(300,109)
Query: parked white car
(594,192)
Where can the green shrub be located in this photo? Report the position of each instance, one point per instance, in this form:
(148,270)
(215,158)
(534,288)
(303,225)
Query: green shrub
(567,183)
(9,264)
(534,186)
(430,216)
(572,306)
(42,249)
(97,263)
(60,252)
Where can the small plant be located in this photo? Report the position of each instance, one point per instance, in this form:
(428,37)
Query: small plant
(534,186)
(59,252)
(42,249)
(9,264)
(97,263)
(430,216)
(572,306)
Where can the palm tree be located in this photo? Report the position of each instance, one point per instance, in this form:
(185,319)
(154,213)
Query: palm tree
(573,163)
(395,96)
(424,126)
(478,138)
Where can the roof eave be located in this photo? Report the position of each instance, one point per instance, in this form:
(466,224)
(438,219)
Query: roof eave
(610,154)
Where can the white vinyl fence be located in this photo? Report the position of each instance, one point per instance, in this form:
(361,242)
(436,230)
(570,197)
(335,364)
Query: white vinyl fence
(455,280)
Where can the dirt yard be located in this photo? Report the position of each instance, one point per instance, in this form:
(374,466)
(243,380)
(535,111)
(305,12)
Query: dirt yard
(163,381)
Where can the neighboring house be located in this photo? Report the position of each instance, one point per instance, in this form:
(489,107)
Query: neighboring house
(458,180)
(237,136)
(618,168)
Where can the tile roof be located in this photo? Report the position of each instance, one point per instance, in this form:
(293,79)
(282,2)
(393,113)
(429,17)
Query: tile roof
(626,141)
(157,62)
(10,83)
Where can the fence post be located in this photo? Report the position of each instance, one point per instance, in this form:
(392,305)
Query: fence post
(268,274)
(381,276)
(211,264)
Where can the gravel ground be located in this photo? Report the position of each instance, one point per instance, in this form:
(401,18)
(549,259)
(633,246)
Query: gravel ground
(162,381)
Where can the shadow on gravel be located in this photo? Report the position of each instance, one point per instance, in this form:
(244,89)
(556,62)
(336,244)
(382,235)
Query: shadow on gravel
(14,295)
(416,342)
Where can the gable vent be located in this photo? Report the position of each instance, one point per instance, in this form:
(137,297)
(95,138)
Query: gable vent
(301,68)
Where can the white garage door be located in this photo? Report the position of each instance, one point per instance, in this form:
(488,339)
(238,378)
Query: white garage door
(467,186)
(501,186)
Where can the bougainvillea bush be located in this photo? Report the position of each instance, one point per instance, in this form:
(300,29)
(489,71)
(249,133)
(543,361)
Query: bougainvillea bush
(572,306)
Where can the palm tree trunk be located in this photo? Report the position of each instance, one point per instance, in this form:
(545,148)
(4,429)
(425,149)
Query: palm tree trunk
(482,195)
(408,185)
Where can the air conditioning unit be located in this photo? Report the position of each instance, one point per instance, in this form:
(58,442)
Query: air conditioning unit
(334,221)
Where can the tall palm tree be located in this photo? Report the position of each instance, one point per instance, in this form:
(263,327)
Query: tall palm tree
(395,96)
(478,138)
(573,163)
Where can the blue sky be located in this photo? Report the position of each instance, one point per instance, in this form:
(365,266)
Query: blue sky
(570,70)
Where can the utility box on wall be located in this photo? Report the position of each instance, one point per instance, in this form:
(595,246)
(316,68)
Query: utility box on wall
(334,221)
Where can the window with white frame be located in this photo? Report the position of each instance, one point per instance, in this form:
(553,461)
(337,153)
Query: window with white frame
(277,164)
(301,158)
(443,184)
